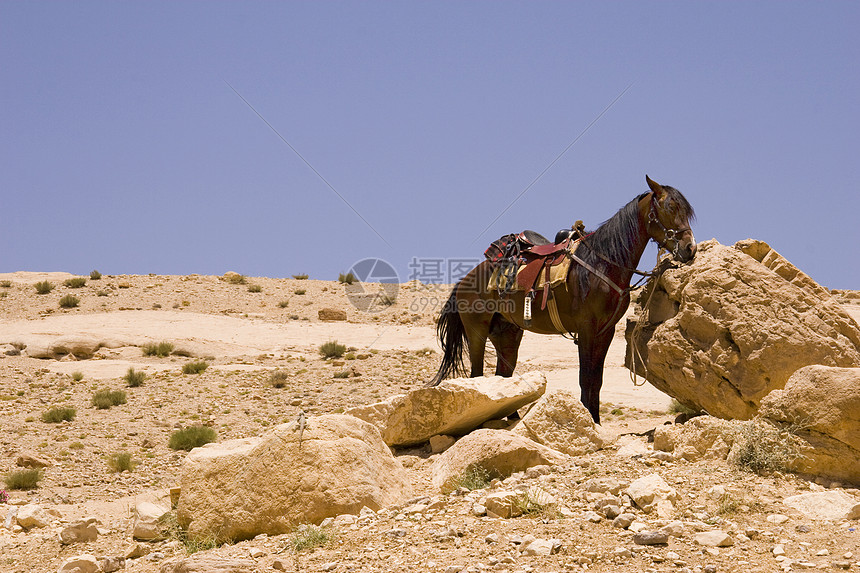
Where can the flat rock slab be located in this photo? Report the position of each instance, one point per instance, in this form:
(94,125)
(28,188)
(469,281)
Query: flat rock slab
(825,505)
(454,407)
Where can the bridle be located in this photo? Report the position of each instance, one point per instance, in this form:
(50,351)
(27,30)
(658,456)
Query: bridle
(668,234)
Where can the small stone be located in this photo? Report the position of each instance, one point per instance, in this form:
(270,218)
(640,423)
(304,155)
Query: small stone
(714,538)
(637,526)
(31,460)
(439,443)
(331,566)
(624,520)
(32,515)
(672,556)
(256,553)
(778,550)
(841,564)
(611,511)
(593,517)
(674,528)
(717,491)
(651,538)
(111,564)
(710,569)
(85,563)
(622,553)
(479,510)
(79,531)
(541,547)
(777,518)
(663,456)
(137,550)
(453,568)
(279,565)
(802,529)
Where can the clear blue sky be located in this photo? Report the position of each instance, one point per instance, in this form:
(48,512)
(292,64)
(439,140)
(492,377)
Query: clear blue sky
(124,149)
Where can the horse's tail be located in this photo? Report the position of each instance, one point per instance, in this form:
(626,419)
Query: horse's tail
(452,337)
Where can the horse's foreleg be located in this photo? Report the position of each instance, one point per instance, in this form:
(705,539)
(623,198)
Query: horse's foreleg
(506,338)
(592,356)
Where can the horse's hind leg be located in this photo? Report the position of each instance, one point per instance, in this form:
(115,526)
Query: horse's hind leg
(477,330)
(506,338)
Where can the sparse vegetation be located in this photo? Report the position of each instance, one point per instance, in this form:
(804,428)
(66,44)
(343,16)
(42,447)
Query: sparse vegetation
(300,277)
(171,530)
(105,398)
(191,437)
(279,378)
(57,414)
(5,284)
(346,279)
(133,378)
(531,503)
(255,288)
(475,477)
(675,407)
(309,536)
(195,367)
(121,462)
(95,275)
(23,479)
(762,447)
(75,282)
(69,301)
(43,287)
(343,374)
(332,349)
(299,291)
(77,376)
(284,304)
(161,349)
(236,279)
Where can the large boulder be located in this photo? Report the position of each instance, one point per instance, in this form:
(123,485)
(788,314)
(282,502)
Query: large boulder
(294,474)
(560,421)
(454,407)
(822,406)
(721,333)
(496,453)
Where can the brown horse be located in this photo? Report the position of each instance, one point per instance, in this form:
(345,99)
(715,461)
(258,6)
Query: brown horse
(595,294)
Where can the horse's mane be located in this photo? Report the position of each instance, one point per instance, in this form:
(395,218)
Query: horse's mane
(614,237)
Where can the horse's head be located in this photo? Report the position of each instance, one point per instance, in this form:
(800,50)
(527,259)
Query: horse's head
(669,218)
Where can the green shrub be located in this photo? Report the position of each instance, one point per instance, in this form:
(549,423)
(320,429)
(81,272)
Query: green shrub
(284,304)
(69,301)
(675,407)
(236,279)
(346,279)
(162,349)
(23,479)
(43,287)
(344,374)
(300,277)
(105,398)
(299,291)
(77,376)
(332,349)
(255,288)
(191,437)
(279,378)
(75,282)
(195,367)
(57,414)
(95,275)
(309,537)
(134,379)
(121,462)
(5,284)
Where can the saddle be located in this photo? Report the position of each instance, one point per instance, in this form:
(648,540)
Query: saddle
(528,261)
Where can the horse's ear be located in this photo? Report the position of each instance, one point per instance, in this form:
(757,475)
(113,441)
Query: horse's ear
(658,190)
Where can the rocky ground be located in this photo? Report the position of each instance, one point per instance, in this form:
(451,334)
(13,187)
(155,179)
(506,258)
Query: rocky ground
(245,335)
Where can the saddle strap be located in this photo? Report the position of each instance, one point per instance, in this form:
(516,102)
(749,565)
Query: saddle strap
(554,316)
(597,273)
